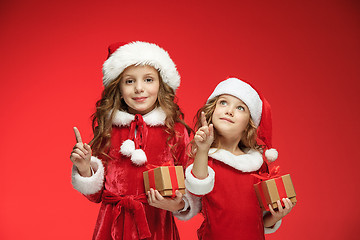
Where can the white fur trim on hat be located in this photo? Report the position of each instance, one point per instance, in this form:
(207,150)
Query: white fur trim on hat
(250,161)
(271,154)
(89,185)
(141,53)
(194,207)
(199,186)
(242,91)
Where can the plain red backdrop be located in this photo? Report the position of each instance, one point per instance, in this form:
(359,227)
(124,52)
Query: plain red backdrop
(302,55)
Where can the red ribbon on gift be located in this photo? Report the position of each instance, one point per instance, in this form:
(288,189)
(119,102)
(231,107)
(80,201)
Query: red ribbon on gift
(281,189)
(165,164)
(174,182)
(173,178)
(273,173)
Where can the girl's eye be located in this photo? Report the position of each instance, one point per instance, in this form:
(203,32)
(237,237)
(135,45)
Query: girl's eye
(129,81)
(223,102)
(241,108)
(148,80)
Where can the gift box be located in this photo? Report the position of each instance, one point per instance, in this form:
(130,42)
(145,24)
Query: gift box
(166,180)
(269,191)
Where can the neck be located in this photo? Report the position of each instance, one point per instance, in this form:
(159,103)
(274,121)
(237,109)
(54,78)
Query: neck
(230,144)
(144,112)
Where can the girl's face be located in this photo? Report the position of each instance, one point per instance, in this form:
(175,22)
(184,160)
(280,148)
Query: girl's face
(231,116)
(139,87)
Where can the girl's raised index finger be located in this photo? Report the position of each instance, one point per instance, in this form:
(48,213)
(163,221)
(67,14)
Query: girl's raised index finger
(203,119)
(77,135)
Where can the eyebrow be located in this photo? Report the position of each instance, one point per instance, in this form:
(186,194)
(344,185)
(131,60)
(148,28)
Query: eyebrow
(146,74)
(241,103)
(150,74)
(127,75)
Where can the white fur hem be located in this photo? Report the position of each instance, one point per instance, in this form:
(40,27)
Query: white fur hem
(268,230)
(248,162)
(89,185)
(194,204)
(199,186)
(154,118)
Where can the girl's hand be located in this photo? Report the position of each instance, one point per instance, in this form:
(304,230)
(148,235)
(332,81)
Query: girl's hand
(281,212)
(170,204)
(204,137)
(81,155)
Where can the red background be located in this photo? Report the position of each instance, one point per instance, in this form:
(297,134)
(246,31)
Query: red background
(302,55)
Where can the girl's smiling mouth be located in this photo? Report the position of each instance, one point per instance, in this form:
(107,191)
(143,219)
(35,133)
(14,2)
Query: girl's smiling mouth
(139,99)
(226,119)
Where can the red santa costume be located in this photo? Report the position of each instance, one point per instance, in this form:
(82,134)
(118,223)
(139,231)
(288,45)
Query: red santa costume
(138,143)
(229,204)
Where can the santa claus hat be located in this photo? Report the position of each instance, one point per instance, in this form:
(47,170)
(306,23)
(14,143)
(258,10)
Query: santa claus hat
(122,55)
(260,110)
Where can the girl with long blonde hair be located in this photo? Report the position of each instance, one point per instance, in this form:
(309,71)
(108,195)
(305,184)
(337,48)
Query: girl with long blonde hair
(137,126)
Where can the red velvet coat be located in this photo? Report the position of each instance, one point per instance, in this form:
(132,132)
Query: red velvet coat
(229,204)
(124,212)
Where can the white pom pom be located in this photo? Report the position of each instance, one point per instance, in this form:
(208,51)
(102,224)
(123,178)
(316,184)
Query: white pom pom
(271,154)
(138,157)
(127,147)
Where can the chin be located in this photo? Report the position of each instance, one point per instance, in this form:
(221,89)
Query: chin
(228,132)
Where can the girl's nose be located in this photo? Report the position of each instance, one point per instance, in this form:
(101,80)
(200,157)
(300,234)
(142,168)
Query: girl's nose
(230,112)
(139,88)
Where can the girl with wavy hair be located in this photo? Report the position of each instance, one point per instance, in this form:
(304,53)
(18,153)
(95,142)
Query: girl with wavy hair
(226,157)
(137,126)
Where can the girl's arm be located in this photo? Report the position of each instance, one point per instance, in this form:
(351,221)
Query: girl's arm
(88,171)
(203,138)
(170,204)
(81,155)
(199,176)
(271,218)
(91,187)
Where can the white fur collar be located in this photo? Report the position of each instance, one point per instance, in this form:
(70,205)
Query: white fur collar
(154,118)
(248,162)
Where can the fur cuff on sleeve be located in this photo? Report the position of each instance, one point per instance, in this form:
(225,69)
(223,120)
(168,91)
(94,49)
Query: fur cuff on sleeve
(194,204)
(199,186)
(272,229)
(89,185)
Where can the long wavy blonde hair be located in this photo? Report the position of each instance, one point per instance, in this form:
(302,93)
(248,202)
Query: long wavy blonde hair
(248,139)
(111,99)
